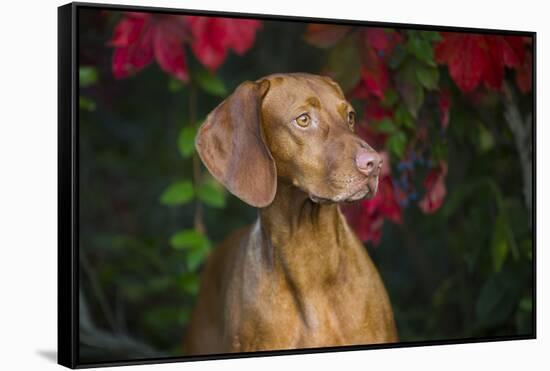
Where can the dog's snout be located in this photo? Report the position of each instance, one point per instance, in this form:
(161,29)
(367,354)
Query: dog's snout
(368,161)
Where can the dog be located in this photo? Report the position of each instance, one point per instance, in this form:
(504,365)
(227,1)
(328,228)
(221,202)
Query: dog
(298,277)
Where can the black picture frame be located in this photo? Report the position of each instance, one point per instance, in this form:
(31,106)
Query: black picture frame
(68,184)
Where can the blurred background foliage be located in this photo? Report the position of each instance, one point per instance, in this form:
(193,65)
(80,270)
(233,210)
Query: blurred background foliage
(450,229)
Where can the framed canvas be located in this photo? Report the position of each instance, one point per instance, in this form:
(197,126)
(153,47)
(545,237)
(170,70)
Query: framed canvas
(239,185)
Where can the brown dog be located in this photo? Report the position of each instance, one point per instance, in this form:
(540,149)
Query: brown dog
(299,277)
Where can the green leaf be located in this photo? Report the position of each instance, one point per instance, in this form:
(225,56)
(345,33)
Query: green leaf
(189,283)
(427,76)
(87,76)
(186,141)
(212,194)
(396,143)
(175,85)
(409,87)
(386,125)
(526,304)
(159,283)
(161,317)
(185,314)
(390,98)
(496,301)
(344,63)
(517,217)
(195,257)
(413,95)
(486,141)
(403,118)
(430,35)
(189,239)
(499,244)
(440,150)
(210,83)
(457,198)
(178,193)
(397,57)
(196,245)
(527,248)
(422,50)
(86,103)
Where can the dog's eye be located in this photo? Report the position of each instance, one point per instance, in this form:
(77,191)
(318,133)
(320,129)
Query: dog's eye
(303,120)
(351,119)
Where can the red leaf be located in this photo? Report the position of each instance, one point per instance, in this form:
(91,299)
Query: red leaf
(140,37)
(475,58)
(494,64)
(169,51)
(375,80)
(127,31)
(382,40)
(375,45)
(513,50)
(435,189)
(464,57)
(367,218)
(208,44)
(325,35)
(241,34)
(212,37)
(524,74)
(131,59)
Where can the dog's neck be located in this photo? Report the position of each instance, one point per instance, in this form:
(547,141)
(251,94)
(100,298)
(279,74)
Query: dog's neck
(298,232)
(292,211)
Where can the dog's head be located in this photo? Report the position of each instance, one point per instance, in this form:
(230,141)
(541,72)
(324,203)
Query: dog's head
(295,127)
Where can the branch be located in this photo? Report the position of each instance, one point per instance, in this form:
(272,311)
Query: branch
(521,129)
(98,291)
(94,337)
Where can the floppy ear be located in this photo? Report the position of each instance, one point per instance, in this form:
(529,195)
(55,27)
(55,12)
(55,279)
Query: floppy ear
(231,145)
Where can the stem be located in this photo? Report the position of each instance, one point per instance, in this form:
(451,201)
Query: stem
(112,343)
(197,173)
(521,129)
(490,183)
(98,292)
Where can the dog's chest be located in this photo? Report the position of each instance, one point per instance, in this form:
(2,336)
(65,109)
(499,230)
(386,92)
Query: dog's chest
(291,316)
(297,296)
(306,307)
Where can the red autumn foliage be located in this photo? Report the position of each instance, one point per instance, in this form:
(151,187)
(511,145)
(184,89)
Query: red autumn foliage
(213,37)
(524,74)
(367,217)
(376,45)
(473,59)
(140,38)
(435,189)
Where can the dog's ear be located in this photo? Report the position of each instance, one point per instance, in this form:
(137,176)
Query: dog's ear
(231,145)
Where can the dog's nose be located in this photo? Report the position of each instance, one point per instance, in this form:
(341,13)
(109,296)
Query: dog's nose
(368,161)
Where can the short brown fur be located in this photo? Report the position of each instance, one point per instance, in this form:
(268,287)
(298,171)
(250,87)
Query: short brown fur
(298,277)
